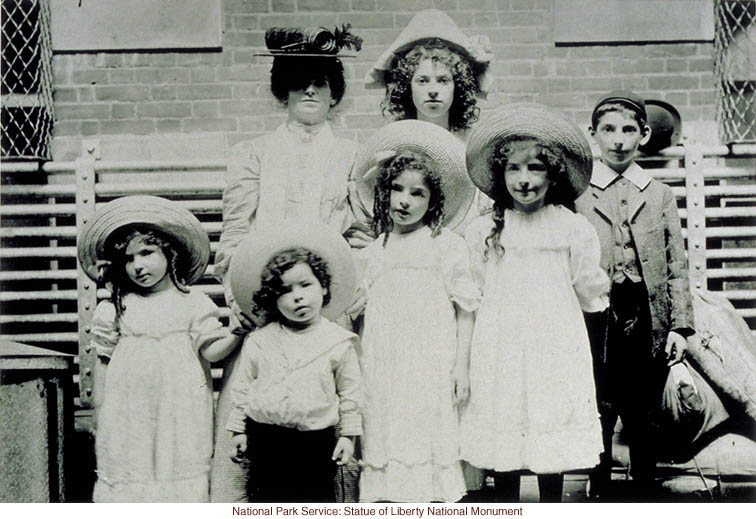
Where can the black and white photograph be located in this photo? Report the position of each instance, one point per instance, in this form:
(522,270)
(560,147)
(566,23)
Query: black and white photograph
(404,258)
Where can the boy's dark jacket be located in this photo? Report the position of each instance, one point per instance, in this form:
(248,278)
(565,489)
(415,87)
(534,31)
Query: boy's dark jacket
(656,232)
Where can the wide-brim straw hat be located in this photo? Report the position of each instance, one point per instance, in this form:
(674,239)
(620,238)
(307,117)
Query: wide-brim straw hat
(528,121)
(445,151)
(260,246)
(145,212)
(431,24)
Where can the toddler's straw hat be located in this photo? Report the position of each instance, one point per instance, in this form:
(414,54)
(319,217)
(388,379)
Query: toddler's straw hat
(530,121)
(443,149)
(426,25)
(146,212)
(258,247)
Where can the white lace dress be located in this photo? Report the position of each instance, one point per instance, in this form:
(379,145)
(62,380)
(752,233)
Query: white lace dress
(155,426)
(532,398)
(410,449)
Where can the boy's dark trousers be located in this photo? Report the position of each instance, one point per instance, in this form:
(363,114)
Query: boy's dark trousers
(630,379)
(289,465)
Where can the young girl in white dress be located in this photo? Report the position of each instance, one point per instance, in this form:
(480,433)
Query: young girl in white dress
(155,339)
(418,319)
(532,405)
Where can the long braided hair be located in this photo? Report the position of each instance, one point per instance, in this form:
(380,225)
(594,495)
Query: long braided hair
(558,193)
(115,274)
(407,160)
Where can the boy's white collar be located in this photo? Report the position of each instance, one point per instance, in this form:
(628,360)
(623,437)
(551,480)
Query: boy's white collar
(603,176)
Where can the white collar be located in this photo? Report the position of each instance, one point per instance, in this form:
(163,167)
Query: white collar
(603,176)
(306,133)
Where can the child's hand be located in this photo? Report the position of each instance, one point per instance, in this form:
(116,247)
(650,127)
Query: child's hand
(460,384)
(675,348)
(343,451)
(238,322)
(239,448)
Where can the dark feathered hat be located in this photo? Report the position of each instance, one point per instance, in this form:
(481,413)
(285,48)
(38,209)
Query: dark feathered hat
(311,42)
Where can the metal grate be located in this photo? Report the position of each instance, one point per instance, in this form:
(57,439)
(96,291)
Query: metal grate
(735,69)
(27,100)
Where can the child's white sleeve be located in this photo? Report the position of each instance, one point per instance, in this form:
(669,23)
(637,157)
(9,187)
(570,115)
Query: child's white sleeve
(349,388)
(458,276)
(241,381)
(588,278)
(475,238)
(206,326)
(105,334)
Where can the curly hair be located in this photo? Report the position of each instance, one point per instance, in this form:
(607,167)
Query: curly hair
(407,160)
(398,102)
(558,193)
(291,74)
(115,251)
(265,300)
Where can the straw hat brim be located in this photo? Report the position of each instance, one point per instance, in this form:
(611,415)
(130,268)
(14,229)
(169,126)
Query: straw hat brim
(528,121)
(258,247)
(426,25)
(442,148)
(146,211)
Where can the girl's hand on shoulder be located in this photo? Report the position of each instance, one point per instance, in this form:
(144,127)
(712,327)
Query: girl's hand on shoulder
(343,451)
(358,305)
(359,238)
(460,384)
(239,448)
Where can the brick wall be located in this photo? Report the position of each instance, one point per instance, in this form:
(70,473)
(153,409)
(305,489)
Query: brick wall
(175,96)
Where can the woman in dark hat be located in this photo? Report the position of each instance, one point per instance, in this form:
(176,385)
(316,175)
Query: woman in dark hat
(299,171)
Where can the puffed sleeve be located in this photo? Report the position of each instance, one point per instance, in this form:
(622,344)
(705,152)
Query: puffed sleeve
(206,326)
(105,334)
(458,278)
(475,238)
(240,202)
(349,388)
(588,278)
(241,382)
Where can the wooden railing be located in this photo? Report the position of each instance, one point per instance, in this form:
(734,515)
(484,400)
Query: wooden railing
(48,301)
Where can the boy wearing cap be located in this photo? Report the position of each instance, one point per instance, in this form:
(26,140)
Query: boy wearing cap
(650,312)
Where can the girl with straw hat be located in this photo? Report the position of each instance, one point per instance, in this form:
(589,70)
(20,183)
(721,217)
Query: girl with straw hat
(533,402)
(418,318)
(297,392)
(155,339)
(300,171)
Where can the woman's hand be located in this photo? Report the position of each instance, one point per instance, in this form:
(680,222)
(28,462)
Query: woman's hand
(239,447)
(343,451)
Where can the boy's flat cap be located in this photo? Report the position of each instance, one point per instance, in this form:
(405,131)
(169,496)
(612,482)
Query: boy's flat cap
(625,97)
